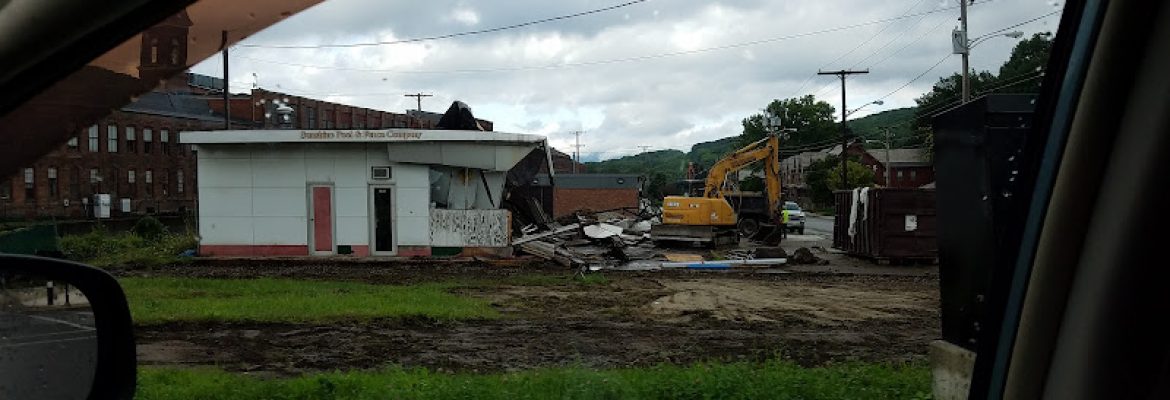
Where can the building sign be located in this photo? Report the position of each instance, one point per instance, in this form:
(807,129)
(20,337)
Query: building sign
(359,134)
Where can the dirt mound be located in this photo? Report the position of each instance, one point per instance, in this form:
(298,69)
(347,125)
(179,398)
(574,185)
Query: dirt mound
(745,300)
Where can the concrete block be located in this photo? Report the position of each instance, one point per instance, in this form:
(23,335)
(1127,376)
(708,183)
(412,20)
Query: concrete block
(951,367)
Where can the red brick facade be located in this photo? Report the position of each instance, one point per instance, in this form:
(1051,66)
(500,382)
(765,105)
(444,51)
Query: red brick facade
(567,201)
(74,164)
(904,176)
(315,114)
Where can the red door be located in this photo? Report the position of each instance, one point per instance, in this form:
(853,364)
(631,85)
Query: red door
(322,219)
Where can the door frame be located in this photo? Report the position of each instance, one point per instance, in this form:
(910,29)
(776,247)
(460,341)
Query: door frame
(312,242)
(373,221)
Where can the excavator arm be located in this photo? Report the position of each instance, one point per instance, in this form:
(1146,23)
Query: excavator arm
(766,150)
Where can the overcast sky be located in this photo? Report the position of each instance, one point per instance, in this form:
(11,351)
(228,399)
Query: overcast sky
(660,73)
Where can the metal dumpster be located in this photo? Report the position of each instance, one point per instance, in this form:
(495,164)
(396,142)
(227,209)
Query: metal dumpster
(979,154)
(895,225)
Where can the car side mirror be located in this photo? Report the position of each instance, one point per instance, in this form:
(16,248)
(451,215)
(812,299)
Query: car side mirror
(65,332)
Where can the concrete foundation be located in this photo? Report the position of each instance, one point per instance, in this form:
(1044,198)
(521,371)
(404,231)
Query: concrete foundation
(951,367)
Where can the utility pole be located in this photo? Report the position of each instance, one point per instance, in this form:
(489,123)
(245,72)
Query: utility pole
(418,98)
(966,50)
(844,128)
(887,136)
(227,107)
(644,148)
(577,150)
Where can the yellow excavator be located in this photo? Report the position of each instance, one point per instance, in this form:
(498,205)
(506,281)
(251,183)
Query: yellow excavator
(723,213)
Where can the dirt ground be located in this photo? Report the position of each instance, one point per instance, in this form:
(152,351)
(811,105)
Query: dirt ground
(634,319)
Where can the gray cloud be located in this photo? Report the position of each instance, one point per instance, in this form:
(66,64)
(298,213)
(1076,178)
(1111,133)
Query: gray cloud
(667,102)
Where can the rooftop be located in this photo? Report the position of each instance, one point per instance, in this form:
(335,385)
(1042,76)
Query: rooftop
(392,135)
(902,156)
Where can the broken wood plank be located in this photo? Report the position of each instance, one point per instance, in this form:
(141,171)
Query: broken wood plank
(563,229)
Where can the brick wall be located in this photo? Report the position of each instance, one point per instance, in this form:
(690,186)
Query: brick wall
(566,201)
(72,166)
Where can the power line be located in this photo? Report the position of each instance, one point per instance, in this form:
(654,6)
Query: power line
(919,39)
(871,37)
(916,78)
(613,60)
(812,76)
(1017,25)
(447,36)
(938,108)
(942,21)
(944,58)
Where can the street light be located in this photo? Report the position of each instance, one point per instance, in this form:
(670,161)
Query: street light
(981,39)
(961,45)
(875,102)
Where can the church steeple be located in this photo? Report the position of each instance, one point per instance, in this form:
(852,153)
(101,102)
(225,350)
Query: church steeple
(164,50)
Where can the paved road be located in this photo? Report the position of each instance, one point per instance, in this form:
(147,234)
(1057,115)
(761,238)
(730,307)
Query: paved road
(819,225)
(47,353)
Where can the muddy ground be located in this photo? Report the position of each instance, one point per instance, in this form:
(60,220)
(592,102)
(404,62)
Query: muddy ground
(634,319)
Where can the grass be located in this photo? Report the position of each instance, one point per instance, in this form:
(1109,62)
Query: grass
(771,380)
(166,299)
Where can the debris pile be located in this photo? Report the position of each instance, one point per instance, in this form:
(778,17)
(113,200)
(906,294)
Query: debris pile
(594,239)
(620,239)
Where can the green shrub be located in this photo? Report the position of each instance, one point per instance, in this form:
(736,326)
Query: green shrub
(149,228)
(104,249)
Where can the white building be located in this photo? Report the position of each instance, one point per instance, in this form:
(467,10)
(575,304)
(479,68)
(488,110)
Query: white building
(363,192)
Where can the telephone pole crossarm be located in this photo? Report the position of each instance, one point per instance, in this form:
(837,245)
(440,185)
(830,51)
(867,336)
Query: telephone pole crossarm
(844,114)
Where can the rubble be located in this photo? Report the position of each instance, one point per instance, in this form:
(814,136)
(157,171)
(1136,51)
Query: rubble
(620,239)
(805,256)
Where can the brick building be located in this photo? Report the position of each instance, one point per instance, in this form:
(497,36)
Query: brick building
(133,154)
(595,192)
(909,168)
(258,110)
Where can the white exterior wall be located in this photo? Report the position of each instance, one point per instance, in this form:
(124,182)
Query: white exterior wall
(257,194)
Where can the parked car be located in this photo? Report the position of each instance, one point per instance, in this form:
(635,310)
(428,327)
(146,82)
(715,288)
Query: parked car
(795,217)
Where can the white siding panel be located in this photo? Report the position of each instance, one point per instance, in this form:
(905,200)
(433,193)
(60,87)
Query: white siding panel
(225,202)
(351,202)
(225,230)
(412,176)
(223,151)
(333,150)
(277,150)
(286,173)
(351,172)
(414,152)
(226,173)
(353,230)
(319,170)
(279,202)
(280,230)
(413,231)
(376,155)
(412,202)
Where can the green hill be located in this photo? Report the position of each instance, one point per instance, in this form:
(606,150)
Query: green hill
(869,127)
(665,167)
